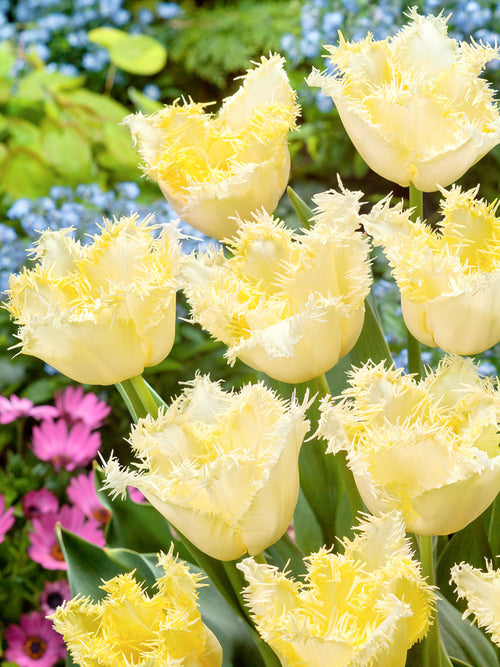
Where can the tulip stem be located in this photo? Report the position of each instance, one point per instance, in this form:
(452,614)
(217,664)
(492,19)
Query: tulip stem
(414,358)
(432,648)
(138,397)
(351,489)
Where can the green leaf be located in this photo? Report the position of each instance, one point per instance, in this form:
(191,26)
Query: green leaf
(285,554)
(371,343)
(303,211)
(41,85)
(137,54)
(24,174)
(307,529)
(462,640)
(7,58)
(22,133)
(67,150)
(119,145)
(145,567)
(103,107)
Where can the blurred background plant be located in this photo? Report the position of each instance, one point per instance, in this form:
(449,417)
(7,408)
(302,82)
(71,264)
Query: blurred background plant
(70,70)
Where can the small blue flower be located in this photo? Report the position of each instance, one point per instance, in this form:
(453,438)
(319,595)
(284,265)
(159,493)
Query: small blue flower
(168,10)
(324,102)
(19,209)
(152,91)
(95,61)
(128,189)
(487,368)
(7,234)
(145,16)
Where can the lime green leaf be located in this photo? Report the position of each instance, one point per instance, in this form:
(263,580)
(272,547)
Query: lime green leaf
(137,54)
(22,133)
(7,58)
(119,145)
(40,84)
(102,106)
(24,174)
(67,150)
(462,640)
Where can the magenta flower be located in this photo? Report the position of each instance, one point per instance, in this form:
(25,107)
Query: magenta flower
(6,518)
(34,643)
(36,503)
(136,495)
(53,595)
(14,407)
(65,447)
(81,491)
(77,407)
(44,548)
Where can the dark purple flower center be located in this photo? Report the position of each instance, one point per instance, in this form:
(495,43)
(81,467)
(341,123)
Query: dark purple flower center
(54,600)
(34,647)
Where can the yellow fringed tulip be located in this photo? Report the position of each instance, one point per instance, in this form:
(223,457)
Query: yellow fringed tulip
(414,104)
(482,593)
(448,276)
(134,628)
(429,449)
(364,608)
(211,169)
(100,313)
(221,467)
(287,304)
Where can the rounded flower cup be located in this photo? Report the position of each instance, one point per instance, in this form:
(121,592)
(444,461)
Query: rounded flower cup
(100,313)
(132,627)
(221,467)
(211,169)
(429,449)
(290,305)
(365,607)
(414,104)
(448,276)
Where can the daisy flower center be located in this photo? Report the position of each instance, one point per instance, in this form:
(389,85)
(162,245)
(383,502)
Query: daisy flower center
(34,647)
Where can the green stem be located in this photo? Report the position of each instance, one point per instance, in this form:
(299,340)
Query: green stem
(110,79)
(414,358)
(238,582)
(138,397)
(432,649)
(353,495)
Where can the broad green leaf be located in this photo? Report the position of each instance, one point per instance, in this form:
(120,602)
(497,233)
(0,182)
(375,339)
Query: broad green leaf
(24,174)
(284,554)
(7,58)
(106,36)
(307,529)
(146,568)
(40,84)
(462,640)
(22,133)
(303,211)
(119,145)
(469,545)
(102,106)
(67,150)
(138,54)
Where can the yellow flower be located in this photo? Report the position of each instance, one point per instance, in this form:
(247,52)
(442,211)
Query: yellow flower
(102,312)
(221,467)
(212,168)
(360,609)
(287,304)
(449,277)
(414,104)
(482,592)
(132,628)
(429,449)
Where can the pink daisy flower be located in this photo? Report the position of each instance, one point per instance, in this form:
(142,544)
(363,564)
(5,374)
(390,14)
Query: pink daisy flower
(53,595)
(36,503)
(44,548)
(65,447)
(34,643)
(6,518)
(75,406)
(136,495)
(14,407)
(81,491)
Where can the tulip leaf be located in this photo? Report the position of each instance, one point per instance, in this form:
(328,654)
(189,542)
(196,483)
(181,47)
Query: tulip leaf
(144,565)
(469,545)
(371,344)
(284,554)
(462,640)
(88,565)
(307,529)
(303,211)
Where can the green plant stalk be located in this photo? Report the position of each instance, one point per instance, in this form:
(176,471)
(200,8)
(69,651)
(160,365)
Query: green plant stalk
(414,358)
(353,495)
(138,397)
(432,648)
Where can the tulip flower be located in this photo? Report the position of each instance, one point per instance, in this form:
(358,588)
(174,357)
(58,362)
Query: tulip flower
(429,449)
(481,590)
(100,313)
(132,627)
(287,304)
(212,168)
(221,467)
(365,607)
(414,104)
(448,275)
